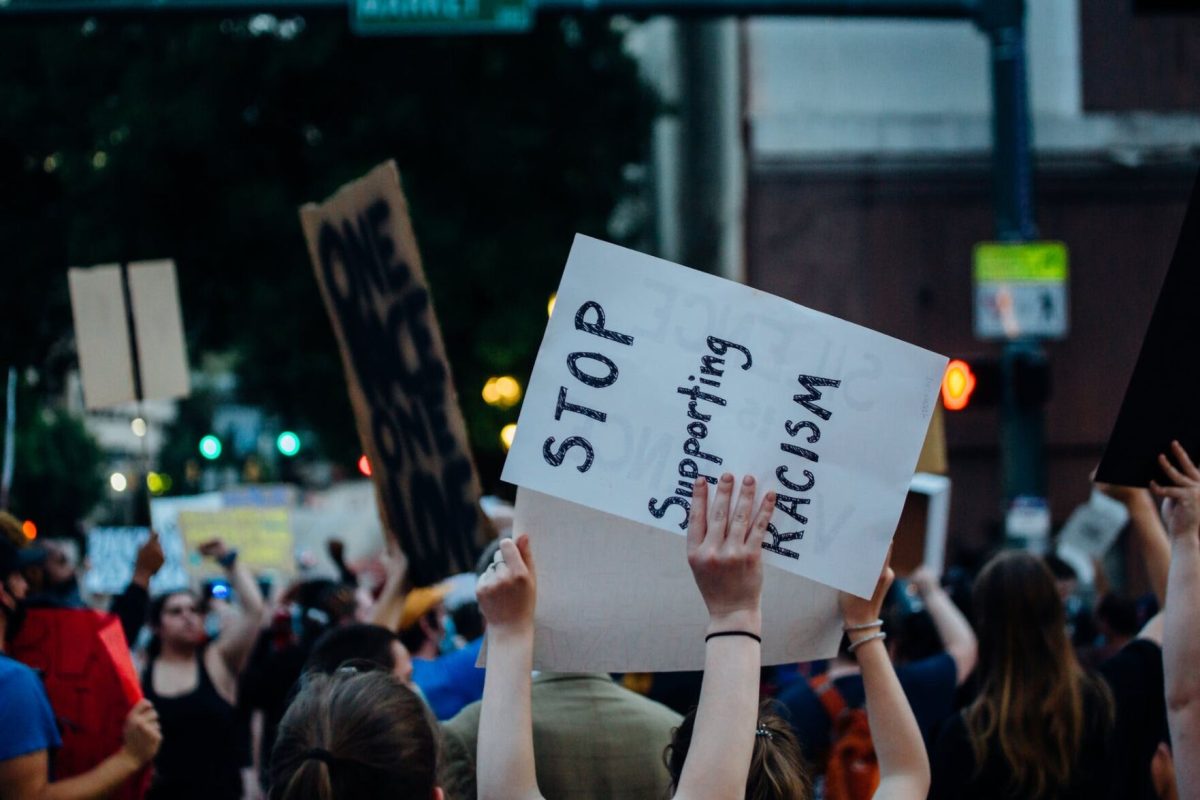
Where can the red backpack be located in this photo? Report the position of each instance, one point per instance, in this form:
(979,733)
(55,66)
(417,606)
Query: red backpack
(851,769)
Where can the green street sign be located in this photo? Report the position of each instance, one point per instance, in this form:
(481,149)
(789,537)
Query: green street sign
(1026,261)
(392,17)
(1021,290)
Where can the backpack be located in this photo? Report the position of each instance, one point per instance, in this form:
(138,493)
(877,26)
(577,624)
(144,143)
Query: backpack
(851,769)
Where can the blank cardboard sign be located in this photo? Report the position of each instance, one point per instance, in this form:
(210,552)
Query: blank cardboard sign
(158,324)
(101,335)
(1160,403)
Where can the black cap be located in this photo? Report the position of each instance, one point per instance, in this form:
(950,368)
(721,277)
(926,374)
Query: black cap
(13,558)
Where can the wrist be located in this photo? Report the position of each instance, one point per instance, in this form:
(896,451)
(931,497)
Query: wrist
(510,633)
(749,620)
(142,577)
(228,558)
(127,760)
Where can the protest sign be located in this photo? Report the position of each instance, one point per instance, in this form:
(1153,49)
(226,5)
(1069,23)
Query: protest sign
(652,375)
(129,332)
(1090,532)
(165,511)
(101,335)
(111,554)
(631,605)
(369,271)
(1160,401)
(262,537)
(921,533)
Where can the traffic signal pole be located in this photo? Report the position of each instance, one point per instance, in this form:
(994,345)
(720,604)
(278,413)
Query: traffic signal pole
(1023,469)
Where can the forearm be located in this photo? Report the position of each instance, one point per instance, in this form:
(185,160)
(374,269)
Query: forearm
(505,759)
(249,596)
(1152,542)
(957,637)
(718,758)
(1181,646)
(903,763)
(98,782)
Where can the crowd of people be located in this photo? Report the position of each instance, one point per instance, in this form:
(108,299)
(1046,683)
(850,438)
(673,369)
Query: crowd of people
(1004,685)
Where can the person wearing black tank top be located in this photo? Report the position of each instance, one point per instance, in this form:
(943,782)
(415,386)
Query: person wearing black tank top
(194,687)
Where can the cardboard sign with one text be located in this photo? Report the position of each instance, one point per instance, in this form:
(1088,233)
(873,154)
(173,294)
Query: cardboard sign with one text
(651,375)
(367,265)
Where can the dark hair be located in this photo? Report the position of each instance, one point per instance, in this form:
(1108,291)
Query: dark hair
(778,770)
(1119,613)
(1035,704)
(354,736)
(357,642)
(468,621)
(414,637)
(154,618)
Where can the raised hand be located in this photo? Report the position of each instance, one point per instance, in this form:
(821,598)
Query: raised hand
(859,611)
(213,548)
(142,735)
(507,590)
(1182,506)
(149,561)
(725,551)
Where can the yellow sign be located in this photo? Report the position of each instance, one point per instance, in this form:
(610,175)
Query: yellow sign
(262,537)
(999,262)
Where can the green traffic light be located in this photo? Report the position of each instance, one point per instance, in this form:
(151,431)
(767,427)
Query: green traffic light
(288,443)
(210,447)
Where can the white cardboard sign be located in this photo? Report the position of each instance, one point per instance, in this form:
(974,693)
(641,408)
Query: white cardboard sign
(618,596)
(651,375)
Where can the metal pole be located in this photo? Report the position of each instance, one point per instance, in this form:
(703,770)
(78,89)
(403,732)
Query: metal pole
(1021,428)
(10,435)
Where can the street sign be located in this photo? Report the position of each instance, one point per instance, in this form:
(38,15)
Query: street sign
(1020,290)
(390,17)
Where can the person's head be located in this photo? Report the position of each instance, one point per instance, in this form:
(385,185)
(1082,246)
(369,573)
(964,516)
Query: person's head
(13,588)
(1031,705)
(422,625)
(355,736)
(778,770)
(360,643)
(176,621)
(1118,617)
(1065,577)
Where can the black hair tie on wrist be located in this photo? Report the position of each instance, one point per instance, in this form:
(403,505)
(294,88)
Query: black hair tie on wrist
(753,636)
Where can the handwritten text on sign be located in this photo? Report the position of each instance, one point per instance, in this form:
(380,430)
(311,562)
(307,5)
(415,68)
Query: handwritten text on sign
(652,375)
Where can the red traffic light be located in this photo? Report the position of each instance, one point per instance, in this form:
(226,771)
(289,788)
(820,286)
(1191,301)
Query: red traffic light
(957,385)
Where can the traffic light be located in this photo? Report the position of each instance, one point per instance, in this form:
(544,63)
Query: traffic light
(958,384)
(210,447)
(980,381)
(288,444)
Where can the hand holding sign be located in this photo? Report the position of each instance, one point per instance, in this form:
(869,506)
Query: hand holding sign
(1182,506)
(507,590)
(725,553)
(149,561)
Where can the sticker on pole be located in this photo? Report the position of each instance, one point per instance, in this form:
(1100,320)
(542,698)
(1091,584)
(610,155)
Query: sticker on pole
(1020,290)
(652,375)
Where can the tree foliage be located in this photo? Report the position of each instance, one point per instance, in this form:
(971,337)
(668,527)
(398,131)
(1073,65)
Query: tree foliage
(197,139)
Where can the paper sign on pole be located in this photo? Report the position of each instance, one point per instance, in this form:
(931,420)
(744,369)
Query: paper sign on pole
(618,596)
(369,271)
(651,375)
(128,351)
(158,325)
(102,335)
(262,537)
